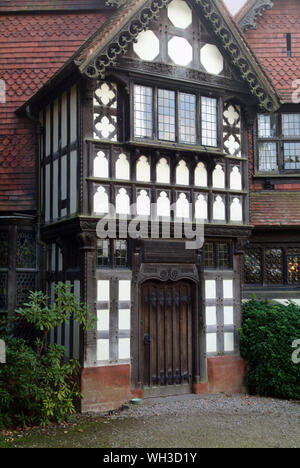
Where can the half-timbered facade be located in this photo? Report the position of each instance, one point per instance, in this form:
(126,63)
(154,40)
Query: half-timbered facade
(150,119)
(272,258)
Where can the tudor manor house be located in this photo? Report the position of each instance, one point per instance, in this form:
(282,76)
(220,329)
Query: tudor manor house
(146,105)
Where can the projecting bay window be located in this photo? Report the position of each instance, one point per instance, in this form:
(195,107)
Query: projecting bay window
(168,115)
(278,145)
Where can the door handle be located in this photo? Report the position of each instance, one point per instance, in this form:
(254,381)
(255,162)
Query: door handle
(147,339)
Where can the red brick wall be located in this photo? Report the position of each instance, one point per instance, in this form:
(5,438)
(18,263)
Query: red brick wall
(32,48)
(226,374)
(105,388)
(269,44)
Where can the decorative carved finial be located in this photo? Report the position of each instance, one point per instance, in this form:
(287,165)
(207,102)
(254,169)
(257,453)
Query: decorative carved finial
(249,20)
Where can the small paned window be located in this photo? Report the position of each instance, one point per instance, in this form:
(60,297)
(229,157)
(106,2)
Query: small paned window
(291,155)
(282,151)
(268,157)
(175,116)
(217,256)
(112,254)
(166,115)
(209,121)
(187,118)
(143,112)
(120,253)
(266,126)
(291,125)
(103,255)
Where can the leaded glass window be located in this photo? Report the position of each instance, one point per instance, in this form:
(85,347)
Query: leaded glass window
(187,118)
(166,115)
(217,256)
(273,266)
(282,151)
(268,157)
(266,126)
(293,263)
(103,253)
(26,250)
(291,155)
(112,254)
(209,257)
(120,253)
(291,125)
(3,249)
(253,266)
(209,121)
(3,290)
(223,259)
(175,116)
(26,282)
(143,112)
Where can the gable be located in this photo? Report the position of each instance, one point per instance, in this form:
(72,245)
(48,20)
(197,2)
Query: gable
(104,51)
(178,37)
(112,40)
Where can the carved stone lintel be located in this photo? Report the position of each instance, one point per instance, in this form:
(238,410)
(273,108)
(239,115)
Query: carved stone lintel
(249,20)
(167,273)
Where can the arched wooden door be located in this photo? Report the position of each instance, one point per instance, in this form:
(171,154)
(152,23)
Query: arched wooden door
(167,337)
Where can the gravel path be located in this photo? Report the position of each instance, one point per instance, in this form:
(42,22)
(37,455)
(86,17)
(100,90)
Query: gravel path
(187,421)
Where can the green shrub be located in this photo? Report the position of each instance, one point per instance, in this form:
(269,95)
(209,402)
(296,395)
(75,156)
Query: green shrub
(267,334)
(36,385)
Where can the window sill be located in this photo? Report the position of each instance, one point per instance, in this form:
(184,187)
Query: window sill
(277,175)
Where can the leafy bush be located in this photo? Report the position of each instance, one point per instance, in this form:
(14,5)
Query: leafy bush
(36,385)
(267,334)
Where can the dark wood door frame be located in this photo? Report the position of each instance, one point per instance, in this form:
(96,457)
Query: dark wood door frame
(163,273)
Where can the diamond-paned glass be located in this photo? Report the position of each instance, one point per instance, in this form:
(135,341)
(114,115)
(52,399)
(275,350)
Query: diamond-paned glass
(26,250)
(209,121)
(273,266)
(291,125)
(267,157)
(3,249)
(26,282)
(266,126)
(291,155)
(143,112)
(187,118)
(293,264)
(253,266)
(3,290)
(166,115)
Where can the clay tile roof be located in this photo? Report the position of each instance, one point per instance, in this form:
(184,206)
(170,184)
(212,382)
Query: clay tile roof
(275,209)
